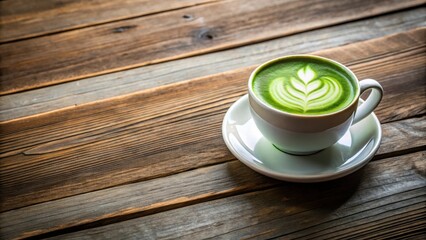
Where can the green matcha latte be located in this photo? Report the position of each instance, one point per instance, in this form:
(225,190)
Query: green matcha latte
(304,85)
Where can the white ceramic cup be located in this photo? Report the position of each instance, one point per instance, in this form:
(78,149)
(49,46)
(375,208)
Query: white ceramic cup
(307,134)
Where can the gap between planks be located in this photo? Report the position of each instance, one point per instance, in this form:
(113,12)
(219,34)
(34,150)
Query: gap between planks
(62,18)
(379,186)
(59,145)
(78,57)
(32,102)
(120,206)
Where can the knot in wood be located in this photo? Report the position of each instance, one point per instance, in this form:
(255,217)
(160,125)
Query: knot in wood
(206,34)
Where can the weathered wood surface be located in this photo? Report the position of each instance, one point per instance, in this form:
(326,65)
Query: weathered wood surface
(386,196)
(400,136)
(152,39)
(156,195)
(24,19)
(110,117)
(97,88)
(156,132)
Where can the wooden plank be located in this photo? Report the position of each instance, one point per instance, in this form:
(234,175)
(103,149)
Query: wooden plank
(23,19)
(395,136)
(137,42)
(169,129)
(115,84)
(394,223)
(367,200)
(147,197)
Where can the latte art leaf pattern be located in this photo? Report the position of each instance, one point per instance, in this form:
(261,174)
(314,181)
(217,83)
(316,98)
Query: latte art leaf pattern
(307,92)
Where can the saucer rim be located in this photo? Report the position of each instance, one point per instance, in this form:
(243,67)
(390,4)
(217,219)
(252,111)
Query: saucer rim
(295,177)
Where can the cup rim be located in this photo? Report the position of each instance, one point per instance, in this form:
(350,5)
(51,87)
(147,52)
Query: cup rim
(277,111)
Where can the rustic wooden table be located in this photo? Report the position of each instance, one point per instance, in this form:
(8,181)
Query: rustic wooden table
(111,116)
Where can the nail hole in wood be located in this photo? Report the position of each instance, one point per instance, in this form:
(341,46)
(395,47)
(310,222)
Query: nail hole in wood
(187,16)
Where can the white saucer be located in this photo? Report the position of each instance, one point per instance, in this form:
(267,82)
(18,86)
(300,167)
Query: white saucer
(354,150)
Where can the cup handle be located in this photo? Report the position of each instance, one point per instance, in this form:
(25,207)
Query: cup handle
(372,101)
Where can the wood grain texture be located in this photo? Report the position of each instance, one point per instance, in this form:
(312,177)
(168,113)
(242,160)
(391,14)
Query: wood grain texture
(401,135)
(156,195)
(171,129)
(386,195)
(137,42)
(97,88)
(23,19)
